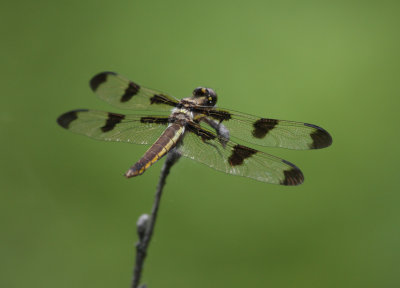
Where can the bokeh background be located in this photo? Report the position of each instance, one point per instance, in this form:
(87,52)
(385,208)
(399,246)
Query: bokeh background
(68,215)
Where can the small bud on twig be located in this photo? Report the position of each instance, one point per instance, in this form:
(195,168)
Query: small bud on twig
(141,225)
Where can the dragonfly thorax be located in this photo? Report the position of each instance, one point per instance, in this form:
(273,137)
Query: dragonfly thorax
(181,114)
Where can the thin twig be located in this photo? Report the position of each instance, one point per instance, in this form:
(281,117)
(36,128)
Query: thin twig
(145,225)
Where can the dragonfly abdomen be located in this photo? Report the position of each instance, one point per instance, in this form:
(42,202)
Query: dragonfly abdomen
(162,146)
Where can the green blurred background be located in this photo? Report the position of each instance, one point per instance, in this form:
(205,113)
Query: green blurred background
(68,215)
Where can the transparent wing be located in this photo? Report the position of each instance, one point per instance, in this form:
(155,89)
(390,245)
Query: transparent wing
(108,126)
(206,147)
(125,94)
(270,132)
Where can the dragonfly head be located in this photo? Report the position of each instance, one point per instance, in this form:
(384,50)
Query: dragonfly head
(205,96)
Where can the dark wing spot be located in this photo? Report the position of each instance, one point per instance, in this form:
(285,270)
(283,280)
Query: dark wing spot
(220,115)
(130,91)
(157,120)
(204,134)
(157,99)
(99,79)
(65,119)
(293,176)
(263,126)
(321,138)
(163,99)
(239,153)
(113,119)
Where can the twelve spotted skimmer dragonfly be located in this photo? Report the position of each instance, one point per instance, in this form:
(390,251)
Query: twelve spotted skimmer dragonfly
(197,128)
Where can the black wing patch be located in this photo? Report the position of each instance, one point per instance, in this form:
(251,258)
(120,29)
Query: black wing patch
(112,120)
(263,126)
(66,119)
(99,79)
(214,113)
(321,138)
(163,99)
(239,153)
(202,133)
(130,91)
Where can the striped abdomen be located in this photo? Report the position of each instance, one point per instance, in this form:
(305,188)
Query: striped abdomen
(165,143)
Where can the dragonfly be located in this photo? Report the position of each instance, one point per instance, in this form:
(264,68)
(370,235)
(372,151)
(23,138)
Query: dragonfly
(196,128)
